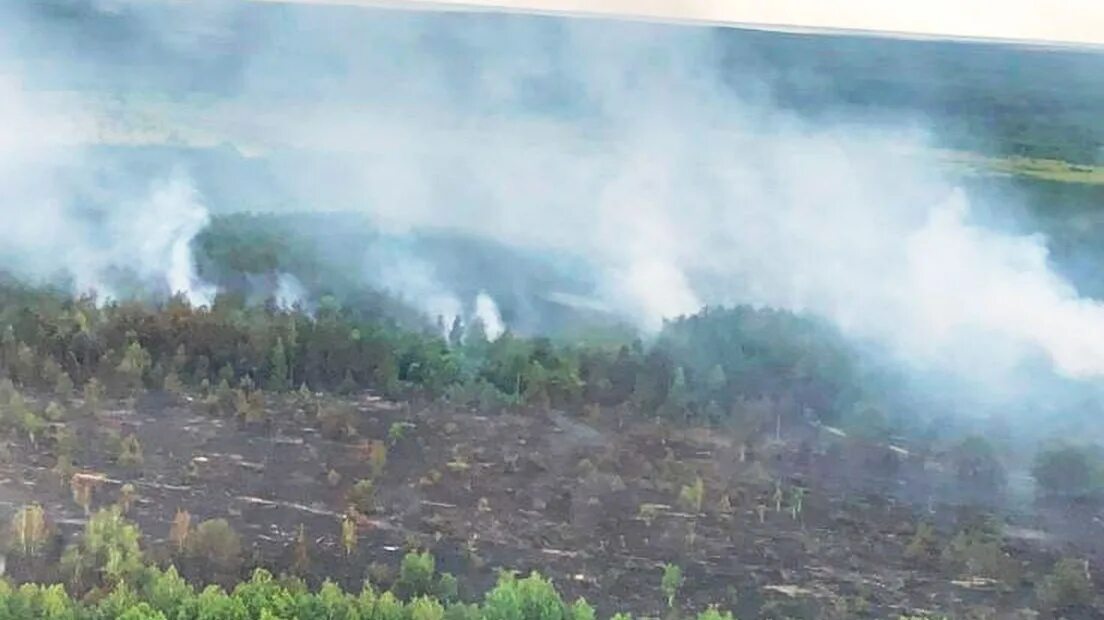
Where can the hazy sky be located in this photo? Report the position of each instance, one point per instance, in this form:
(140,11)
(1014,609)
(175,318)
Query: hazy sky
(1072,21)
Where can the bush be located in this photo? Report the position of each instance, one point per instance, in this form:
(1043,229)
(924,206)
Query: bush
(216,543)
(106,553)
(130,452)
(336,422)
(671,582)
(1066,471)
(415,575)
(532,598)
(692,495)
(448,589)
(362,496)
(924,546)
(1067,586)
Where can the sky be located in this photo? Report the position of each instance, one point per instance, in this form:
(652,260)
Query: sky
(1064,21)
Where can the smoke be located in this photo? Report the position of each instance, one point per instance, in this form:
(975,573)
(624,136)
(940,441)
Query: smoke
(392,268)
(290,292)
(71,216)
(640,149)
(680,185)
(487,312)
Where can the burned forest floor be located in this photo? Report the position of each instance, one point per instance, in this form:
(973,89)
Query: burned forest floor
(801,523)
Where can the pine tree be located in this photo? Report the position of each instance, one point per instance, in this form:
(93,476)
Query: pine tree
(456,334)
(278,368)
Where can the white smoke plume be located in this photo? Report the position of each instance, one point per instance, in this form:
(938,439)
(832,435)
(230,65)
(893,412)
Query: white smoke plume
(65,216)
(487,312)
(682,190)
(674,176)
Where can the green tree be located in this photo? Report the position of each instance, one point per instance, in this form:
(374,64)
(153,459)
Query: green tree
(278,376)
(217,544)
(671,582)
(415,575)
(107,553)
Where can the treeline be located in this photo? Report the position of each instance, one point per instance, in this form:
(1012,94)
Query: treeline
(709,367)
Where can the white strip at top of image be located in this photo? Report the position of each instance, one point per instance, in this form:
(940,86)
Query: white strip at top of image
(1078,23)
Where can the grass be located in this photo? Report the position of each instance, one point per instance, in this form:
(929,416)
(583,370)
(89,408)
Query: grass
(1045,169)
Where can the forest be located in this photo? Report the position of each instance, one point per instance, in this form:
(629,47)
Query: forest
(313,311)
(784,391)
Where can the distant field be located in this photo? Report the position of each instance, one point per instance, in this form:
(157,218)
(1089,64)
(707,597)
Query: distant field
(1038,168)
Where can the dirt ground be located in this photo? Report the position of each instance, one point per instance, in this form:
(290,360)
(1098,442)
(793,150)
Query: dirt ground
(592,503)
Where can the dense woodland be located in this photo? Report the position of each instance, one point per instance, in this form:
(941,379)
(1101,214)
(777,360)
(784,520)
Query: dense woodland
(751,372)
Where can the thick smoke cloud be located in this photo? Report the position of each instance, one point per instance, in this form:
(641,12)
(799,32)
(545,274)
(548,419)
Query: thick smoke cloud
(621,143)
(674,177)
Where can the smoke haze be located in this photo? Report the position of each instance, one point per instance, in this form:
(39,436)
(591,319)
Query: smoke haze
(676,179)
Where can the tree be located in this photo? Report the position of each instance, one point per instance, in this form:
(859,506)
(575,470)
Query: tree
(130,452)
(348,533)
(127,496)
(215,543)
(361,496)
(133,366)
(107,552)
(278,379)
(456,333)
(93,395)
(671,582)
(1068,586)
(1068,471)
(28,529)
(180,529)
(300,561)
(415,575)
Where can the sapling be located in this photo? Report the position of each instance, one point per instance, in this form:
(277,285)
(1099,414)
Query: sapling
(348,533)
(671,582)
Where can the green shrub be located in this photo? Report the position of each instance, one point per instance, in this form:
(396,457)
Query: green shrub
(106,553)
(215,543)
(415,575)
(532,598)
(448,588)
(130,452)
(712,613)
(671,582)
(362,496)
(1067,586)
(1068,471)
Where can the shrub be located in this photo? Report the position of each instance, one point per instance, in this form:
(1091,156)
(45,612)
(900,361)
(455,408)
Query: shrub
(671,582)
(106,553)
(1068,471)
(415,575)
(397,431)
(691,495)
(448,589)
(127,496)
(349,537)
(361,496)
(1067,586)
(924,546)
(336,422)
(300,556)
(581,610)
(180,530)
(93,395)
(712,613)
(426,608)
(130,452)
(532,598)
(63,386)
(216,543)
